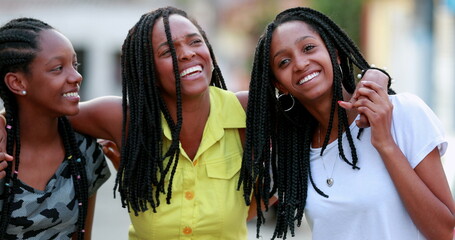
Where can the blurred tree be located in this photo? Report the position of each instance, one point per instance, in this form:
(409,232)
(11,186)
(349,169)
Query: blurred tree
(346,13)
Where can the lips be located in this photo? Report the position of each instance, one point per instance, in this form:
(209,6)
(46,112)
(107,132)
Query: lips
(308,77)
(190,71)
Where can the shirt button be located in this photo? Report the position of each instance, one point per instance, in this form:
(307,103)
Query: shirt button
(189,195)
(187,230)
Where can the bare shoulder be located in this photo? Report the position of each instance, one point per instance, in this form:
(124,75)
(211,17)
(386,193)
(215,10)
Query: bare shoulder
(243,98)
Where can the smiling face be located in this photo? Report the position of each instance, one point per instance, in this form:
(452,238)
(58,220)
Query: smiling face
(300,62)
(52,83)
(193,57)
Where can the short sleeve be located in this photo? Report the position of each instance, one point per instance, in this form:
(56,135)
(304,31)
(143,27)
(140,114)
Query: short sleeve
(417,130)
(96,166)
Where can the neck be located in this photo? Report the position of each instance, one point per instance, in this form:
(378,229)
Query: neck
(193,108)
(38,129)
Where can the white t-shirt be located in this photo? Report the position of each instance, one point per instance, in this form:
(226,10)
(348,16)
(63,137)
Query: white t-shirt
(364,204)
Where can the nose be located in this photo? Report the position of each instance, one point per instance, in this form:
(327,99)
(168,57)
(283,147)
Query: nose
(75,77)
(301,62)
(185,53)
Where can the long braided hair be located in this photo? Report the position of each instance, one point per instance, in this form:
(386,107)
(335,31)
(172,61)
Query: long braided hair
(144,166)
(279,141)
(19,46)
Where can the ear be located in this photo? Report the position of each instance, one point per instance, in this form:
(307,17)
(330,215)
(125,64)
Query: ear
(15,82)
(280,87)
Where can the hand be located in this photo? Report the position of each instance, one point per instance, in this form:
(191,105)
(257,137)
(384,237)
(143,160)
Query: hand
(372,75)
(4,157)
(373,102)
(111,151)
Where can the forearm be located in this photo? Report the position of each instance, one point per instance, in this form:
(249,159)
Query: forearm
(100,118)
(432,216)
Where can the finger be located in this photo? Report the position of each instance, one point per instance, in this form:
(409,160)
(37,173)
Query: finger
(363,121)
(376,76)
(372,94)
(3,165)
(5,156)
(2,174)
(111,152)
(382,92)
(345,105)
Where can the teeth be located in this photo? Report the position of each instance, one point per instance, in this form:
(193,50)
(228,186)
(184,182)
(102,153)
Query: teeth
(190,70)
(308,78)
(71,94)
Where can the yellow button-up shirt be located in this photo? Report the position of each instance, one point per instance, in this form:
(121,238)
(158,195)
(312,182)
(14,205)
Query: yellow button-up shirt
(205,203)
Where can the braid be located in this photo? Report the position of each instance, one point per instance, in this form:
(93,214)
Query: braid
(283,139)
(76,162)
(145,167)
(18,47)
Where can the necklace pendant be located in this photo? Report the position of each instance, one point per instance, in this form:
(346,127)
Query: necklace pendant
(329,182)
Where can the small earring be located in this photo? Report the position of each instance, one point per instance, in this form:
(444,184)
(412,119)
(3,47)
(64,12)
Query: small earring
(23,92)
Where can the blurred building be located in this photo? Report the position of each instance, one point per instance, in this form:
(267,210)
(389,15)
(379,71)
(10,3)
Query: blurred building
(414,39)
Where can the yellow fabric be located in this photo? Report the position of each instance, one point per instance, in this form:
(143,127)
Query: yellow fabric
(205,202)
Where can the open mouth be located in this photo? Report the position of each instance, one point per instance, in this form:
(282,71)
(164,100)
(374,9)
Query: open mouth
(71,94)
(308,77)
(190,71)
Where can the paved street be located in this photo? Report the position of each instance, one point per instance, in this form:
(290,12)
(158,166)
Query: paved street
(112,221)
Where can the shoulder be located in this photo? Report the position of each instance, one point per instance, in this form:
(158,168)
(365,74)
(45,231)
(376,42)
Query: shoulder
(242,96)
(406,99)
(227,107)
(221,95)
(409,103)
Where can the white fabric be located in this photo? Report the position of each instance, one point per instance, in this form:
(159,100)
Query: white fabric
(364,204)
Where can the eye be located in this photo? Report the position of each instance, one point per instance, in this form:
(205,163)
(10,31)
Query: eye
(57,69)
(165,53)
(283,63)
(196,41)
(76,65)
(308,47)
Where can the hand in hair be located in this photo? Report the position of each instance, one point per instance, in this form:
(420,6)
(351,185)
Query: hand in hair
(372,75)
(111,151)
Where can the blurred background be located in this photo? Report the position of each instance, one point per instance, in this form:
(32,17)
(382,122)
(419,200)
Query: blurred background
(413,39)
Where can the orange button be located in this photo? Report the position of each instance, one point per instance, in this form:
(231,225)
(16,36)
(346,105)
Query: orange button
(189,195)
(187,230)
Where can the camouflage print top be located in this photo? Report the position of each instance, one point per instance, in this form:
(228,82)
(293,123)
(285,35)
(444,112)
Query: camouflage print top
(52,213)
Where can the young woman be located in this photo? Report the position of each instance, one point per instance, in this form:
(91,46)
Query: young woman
(183,135)
(49,190)
(383,182)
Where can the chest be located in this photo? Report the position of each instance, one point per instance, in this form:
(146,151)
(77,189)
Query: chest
(45,213)
(37,167)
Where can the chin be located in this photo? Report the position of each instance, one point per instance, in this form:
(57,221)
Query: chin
(72,112)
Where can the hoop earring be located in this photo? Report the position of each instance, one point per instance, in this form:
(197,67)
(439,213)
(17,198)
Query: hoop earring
(281,100)
(341,70)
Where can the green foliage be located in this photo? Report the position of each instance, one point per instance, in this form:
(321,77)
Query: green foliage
(345,13)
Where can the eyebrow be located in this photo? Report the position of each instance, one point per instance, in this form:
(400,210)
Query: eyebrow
(295,42)
(190,35)
(59,58)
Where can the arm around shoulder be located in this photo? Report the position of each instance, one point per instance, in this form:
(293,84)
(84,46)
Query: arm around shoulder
(100,118)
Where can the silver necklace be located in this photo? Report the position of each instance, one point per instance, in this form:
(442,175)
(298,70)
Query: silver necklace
(330,181)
